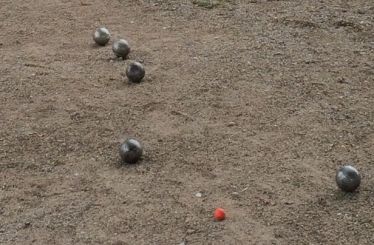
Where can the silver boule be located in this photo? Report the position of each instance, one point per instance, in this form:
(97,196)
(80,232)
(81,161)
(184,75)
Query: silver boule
(131,151)
(101,36)
(348,178)
(121,48)
(135,72)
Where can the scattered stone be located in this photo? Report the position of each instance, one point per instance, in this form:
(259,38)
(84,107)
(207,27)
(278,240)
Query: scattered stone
(342,80)
(361,11)
(231,124)
(27,224)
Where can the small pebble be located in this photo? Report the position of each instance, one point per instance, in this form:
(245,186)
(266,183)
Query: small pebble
(361,11)
(27,224)
(198,194)
(231,124)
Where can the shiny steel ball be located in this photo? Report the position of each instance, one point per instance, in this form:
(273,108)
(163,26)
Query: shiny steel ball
(101,36)
(135,72)
(121,48)
(131,151)
(348,178)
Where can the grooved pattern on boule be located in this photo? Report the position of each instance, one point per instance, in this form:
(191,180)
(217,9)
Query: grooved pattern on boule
(131,151)
(135,72)
(101,36)
(348,178)
(121,48)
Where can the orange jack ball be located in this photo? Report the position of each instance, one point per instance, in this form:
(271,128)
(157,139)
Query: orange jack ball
(219,214)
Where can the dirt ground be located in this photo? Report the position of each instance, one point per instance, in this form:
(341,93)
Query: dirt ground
(253,104)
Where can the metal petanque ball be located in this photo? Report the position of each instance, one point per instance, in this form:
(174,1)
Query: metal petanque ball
(348,178)
(131,151)
(101,36)
(121,48)
(135,72)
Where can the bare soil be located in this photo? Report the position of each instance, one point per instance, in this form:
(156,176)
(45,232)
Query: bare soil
(253,104)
